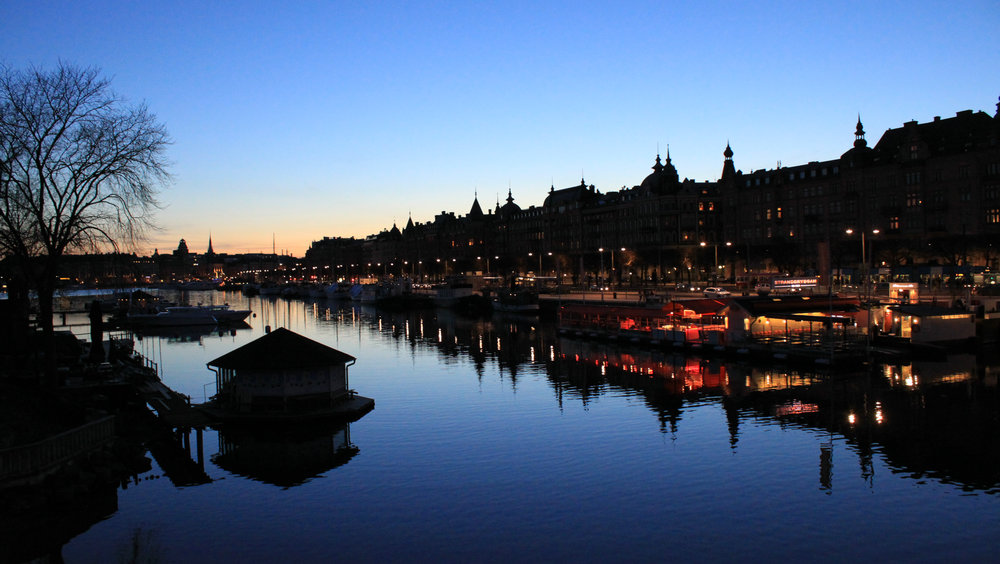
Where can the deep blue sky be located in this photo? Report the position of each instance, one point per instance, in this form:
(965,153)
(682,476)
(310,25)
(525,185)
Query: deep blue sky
(317,119)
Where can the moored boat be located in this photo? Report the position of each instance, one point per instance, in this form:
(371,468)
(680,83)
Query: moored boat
(178,316)
(516,301)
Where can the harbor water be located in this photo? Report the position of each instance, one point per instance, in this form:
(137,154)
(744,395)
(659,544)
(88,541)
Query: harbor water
(496,440)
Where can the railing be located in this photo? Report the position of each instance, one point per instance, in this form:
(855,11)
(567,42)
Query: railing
(26,460)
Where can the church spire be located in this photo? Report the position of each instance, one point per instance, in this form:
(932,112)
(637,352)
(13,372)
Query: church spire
(210,250)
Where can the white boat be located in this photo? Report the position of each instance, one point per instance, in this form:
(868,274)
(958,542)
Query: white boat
(224,314)
(178,316)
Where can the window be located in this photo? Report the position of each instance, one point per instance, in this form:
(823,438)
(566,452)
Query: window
(894,223)
(913,199)
(912,178)
(993,216)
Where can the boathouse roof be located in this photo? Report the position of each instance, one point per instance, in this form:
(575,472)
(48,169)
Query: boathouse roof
(922,310)
(282,348)
(764,306)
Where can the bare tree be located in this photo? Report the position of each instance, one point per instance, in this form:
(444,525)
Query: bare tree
(80,169)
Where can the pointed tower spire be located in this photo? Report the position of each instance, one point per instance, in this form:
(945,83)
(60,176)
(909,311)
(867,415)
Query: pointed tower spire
(859,135)
(477,211)
(210,250)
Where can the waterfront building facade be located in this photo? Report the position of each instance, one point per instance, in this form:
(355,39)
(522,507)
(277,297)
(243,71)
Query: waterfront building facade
(922,204)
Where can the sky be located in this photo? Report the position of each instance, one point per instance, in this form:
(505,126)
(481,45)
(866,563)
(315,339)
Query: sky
(294,121)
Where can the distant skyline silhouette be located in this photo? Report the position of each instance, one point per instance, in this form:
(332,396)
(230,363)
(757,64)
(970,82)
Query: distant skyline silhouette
(295,122)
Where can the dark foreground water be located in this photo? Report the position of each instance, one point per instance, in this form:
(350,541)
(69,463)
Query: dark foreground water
(498,441)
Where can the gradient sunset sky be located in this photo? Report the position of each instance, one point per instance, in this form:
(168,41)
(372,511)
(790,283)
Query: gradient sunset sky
(300,120)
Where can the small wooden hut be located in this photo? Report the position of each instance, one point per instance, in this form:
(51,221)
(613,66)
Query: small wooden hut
(281,372)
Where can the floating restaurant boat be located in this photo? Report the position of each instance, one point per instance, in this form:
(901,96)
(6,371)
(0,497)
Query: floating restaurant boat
(179,316)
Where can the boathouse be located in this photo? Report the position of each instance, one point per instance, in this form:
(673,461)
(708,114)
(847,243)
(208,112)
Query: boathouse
(281,372)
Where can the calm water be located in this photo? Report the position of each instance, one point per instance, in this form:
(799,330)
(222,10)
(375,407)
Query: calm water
(498,441)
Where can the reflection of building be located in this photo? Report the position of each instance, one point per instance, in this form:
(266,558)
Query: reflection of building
(284,456)
(927,419)
(281,371)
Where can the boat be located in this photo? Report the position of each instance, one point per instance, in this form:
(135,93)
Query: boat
(451,293)
(339,291)
(179,316)
(516,301)
(224,314)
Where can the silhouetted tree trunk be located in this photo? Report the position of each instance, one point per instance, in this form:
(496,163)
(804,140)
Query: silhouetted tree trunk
(79,169)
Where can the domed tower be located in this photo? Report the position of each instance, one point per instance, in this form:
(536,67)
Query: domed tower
(860,154)
(510,208)
(663,179)
(728,168)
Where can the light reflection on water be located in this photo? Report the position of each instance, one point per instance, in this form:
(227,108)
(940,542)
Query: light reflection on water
(497,440)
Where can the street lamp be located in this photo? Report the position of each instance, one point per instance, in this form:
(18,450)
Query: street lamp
(864,262)
(600,282)
(715,272)
(613,265)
